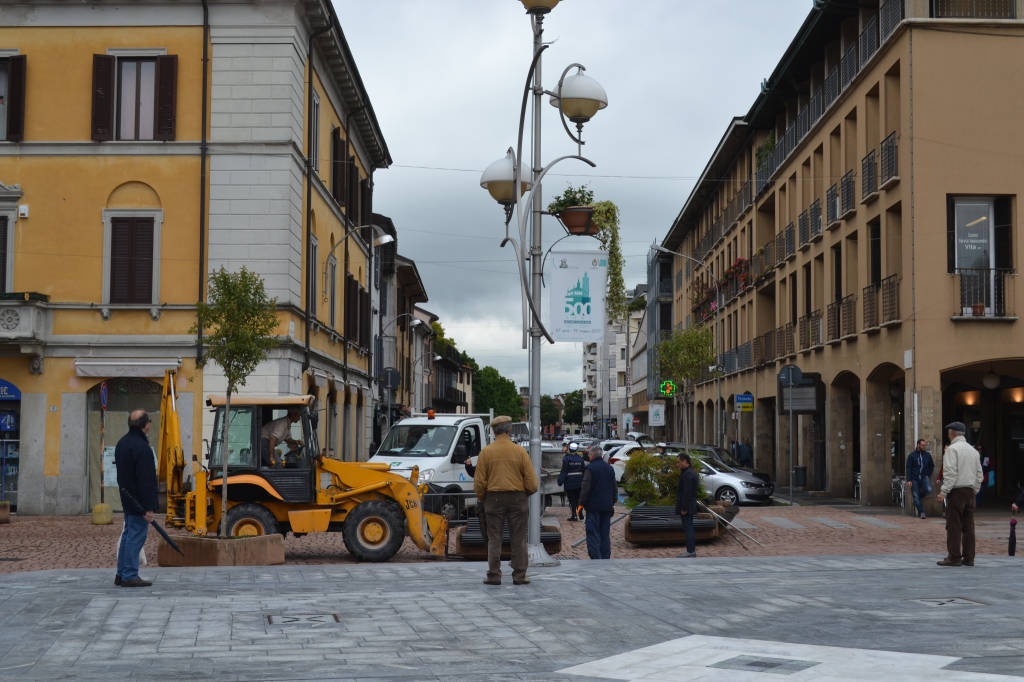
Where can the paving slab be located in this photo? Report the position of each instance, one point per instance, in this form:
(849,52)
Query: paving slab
(878,523)
(782,522)
(437,621)
(831,523)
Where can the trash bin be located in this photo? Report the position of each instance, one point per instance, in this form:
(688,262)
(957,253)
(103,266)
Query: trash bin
(799,477)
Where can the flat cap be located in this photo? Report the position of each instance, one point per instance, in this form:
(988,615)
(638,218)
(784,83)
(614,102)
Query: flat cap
(501,419)
(956,426)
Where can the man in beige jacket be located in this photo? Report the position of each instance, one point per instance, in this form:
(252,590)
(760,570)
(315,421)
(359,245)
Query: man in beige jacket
(503,483)
(961,481)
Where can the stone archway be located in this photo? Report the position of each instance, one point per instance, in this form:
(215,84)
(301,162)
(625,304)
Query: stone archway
(698,422)
(884,446)
(843,428)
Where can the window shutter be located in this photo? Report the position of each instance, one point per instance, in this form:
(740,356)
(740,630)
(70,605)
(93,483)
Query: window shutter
(16,98)
(335,166)
(142,261)
(363,214)
(120,260)
(352,188)
(364,318)
(166,96)
(3,254)
(1004,242)
(131,260)
(341,171)
(103,97)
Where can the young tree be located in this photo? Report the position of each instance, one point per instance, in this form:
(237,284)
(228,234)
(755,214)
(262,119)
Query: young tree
(573,412)
(491,389)
(684,355)
(548,411)
(238,322)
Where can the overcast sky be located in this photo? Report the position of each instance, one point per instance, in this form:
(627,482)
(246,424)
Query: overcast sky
(445,79)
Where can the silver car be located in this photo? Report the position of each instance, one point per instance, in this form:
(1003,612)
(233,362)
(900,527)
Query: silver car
(733,486)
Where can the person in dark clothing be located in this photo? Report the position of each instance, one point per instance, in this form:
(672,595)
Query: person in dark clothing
(1018,503)
(571,478)
(919,470)
(745,454)
(686,502)
(136,479)
(597,495)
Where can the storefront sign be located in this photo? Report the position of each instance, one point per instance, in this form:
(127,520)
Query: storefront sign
(577,286)
(109,468)
(656,417)
(744,402)
(9,391)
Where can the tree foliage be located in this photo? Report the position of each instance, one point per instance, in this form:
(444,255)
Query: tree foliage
(548,411)
(572,412)
(685,354)
(654,479)
(492,390)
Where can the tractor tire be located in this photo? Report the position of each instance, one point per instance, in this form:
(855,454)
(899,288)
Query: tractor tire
(251,519)
(374,531)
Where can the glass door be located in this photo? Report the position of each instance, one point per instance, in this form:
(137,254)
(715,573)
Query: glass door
(975,255)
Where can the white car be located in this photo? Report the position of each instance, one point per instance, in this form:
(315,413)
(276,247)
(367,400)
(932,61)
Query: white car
(619,457)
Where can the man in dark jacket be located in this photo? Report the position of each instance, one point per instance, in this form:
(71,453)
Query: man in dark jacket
(136,478)
(919,471)
(597,495)
(686,502)
(571,477)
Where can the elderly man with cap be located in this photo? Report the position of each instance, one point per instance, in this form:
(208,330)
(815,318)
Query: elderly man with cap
(504,481)
(961,480)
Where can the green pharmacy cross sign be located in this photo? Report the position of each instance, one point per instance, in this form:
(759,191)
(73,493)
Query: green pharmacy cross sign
(668,387)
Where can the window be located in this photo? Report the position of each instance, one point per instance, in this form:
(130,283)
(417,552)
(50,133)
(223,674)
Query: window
(314,134)
(621,379)
(12,98)
(131,260)
(332,286)
(311,273)
(622,354)
(979,233)
(3,255)
(134,96)
(240,430)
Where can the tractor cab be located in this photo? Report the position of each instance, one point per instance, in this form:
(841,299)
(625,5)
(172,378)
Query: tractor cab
(270,448)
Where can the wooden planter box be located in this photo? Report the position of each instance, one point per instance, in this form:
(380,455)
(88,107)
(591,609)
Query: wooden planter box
(469,541)
(258,550)
(662,526)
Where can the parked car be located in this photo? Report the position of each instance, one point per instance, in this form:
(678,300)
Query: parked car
(722,455)
(731,485)
(619,457)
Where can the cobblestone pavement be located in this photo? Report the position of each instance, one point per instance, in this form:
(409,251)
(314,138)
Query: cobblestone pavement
(727,618)
(32,543)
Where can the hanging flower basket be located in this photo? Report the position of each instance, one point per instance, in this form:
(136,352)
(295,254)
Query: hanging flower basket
(578,220)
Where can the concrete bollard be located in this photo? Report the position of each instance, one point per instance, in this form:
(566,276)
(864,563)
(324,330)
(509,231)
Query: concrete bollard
(102,515)
(5,512)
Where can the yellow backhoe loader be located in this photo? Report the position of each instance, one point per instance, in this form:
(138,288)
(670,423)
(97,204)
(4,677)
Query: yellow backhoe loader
(279,480)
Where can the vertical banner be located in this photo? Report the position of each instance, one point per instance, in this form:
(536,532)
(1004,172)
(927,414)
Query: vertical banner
(577,285)
(656,415)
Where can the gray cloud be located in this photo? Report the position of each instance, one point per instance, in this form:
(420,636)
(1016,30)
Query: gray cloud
(445,80)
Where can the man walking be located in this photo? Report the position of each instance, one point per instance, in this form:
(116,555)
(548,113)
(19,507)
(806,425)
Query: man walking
(919,471)
(686,502)
(961,480)
(571,477)
(136,479)
(745,454)
(503,483)
(597,495)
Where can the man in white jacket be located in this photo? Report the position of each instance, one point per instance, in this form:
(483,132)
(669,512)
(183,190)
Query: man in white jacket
(961,480)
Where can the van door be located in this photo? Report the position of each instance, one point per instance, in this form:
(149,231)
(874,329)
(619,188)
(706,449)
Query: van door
(467,446)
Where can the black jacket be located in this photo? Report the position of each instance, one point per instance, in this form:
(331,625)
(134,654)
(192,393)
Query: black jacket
(599,490)
(136,472)
(571,476)
(686,494)
(1020,499)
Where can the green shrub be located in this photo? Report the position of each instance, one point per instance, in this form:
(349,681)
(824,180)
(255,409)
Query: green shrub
(654,479)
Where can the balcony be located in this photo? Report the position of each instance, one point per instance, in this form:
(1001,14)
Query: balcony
(784,341)
(848,66)
(869,177)
(815,220)
(811,331)
(974,9)
(763,349)
(805,230)
(763,262)
(790,242)
(780,249)
(985,294)
(846,193)
(889,152)
(890,300)
(890,14)
(870,305)
(832,322)
(832,206)
(848,317)
(867,42)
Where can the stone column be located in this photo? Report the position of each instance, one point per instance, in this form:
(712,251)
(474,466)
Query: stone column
(839,441)
(876,467)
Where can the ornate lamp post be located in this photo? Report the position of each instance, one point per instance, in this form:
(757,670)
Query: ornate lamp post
(577,98)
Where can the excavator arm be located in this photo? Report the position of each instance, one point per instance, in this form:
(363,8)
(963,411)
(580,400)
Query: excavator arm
(170,456)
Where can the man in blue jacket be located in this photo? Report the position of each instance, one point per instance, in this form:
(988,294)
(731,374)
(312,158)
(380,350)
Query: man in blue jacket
(136,479)
(686,502)
(919,470)
(571,477)
(597,495)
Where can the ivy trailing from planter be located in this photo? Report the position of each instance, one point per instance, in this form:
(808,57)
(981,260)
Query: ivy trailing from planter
(606,219)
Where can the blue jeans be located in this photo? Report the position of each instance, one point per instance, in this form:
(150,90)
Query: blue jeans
(915,494)
(599,539)
(691,537)
(134,537)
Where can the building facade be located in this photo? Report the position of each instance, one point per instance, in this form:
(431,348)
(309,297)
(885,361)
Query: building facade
(195,136)
(860,223)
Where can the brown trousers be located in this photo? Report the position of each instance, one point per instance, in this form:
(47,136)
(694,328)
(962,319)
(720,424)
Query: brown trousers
(960,524)
(516,506)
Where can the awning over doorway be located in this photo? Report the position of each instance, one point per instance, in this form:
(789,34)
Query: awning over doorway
(125,367)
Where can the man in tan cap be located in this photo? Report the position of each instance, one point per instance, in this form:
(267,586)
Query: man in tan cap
(504,481)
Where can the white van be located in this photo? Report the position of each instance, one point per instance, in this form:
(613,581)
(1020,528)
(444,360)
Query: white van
(439,445)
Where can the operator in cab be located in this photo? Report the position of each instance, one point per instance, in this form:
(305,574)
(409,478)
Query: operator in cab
(279,431)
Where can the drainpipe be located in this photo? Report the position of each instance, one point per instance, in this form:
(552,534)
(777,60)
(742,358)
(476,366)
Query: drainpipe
(309,187)
(203,150)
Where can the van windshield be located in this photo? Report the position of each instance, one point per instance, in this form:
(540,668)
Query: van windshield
(418,441)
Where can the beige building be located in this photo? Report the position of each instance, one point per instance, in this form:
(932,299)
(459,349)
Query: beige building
(860,223)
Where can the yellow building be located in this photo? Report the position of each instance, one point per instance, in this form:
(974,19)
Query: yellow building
(860,223)
(143,145)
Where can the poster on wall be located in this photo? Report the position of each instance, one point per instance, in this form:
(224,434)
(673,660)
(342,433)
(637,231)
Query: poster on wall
(577,284)
(656,416)
(109,468)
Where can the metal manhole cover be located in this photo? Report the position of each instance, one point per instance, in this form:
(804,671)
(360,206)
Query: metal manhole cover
(303,619)
(765,664)
(949,601)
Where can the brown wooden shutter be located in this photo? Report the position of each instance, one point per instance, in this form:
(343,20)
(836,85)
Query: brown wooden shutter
(363,214)
(364,318)
(131,260)
(166,97)
(103,97)
(352,190)
(16,98)
(335,155)
(3,254)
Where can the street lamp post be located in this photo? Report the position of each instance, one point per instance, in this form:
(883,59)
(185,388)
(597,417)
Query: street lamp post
(577,98)
(717,336)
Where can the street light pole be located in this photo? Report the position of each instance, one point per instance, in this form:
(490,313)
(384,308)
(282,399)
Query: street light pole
(717,337)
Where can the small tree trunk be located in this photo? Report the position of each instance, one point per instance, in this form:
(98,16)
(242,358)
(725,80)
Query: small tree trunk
(682,438)
(224,467)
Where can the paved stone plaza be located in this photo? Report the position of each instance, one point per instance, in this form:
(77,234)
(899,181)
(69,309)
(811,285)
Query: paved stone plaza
(761,618)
